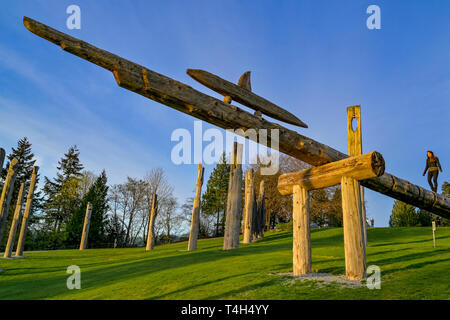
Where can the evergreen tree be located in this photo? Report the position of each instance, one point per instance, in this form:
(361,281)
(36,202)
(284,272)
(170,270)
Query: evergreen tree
(62,195)
(97,196)
(405,215)
(214,200)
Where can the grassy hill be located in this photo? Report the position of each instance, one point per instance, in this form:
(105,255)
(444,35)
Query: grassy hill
(410,269)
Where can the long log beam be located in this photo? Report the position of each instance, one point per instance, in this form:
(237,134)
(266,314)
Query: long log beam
(180,96)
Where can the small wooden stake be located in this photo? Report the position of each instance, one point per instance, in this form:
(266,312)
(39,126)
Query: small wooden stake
(87,221)
(15,222)
(7,191)
(250,206)
(26,214)
(433,224)
(301,237)
(151,224)
(355,251)
(233,214)
(195,221)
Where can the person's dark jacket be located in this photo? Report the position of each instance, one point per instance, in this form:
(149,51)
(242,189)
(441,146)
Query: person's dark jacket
(432,164)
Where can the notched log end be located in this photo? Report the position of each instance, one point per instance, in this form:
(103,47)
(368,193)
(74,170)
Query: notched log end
(378,163)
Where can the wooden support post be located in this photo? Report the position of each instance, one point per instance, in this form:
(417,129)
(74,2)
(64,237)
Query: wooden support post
(151,224)
(26,213)
(87,221)
(195,220)
(233,214)
(355,251)
(7,191)
(261,211)
(301,237)
(250,206)
(14,223)
(2,158)
(354,137)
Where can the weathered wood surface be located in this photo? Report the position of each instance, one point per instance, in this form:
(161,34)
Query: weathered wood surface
(233,212)
(244,96)
(195,220)
(260,213)
(301,231)
(354,140)
(15,222)
(26,213)
(249,207)
(355,250)
(87,222)
(360,167)
(7,191)
(183,98)
(151,224)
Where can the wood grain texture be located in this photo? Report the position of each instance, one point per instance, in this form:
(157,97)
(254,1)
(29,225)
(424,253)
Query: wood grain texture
(195,219)
(360,167)
(151,224)
(301,231)
(26,213)
(249,206)
(354,140)
(7,191)
(15,222)
(183,98)
(244,96)
(355,251)
(87,222)
(233,212)
(2,158)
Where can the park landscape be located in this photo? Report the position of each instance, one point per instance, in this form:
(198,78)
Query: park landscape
(300,233)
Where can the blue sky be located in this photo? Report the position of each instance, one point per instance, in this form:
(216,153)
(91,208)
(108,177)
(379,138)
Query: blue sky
(313,58)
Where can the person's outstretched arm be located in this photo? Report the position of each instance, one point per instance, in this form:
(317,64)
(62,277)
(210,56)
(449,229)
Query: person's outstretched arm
(426,168)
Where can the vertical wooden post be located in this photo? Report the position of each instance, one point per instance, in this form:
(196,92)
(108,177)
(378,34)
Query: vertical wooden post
(250,206)
(7,191)
(195,221)
(260,212)
(87,221)
(26,213)
(14,223)
(355,251)
(301,237)
(233,214)
(151,224)
(355,149)
(2,158)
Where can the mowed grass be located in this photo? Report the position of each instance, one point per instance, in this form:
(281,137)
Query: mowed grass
(410,269)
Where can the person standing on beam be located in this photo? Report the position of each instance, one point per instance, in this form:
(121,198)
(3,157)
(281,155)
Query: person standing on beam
(433,166)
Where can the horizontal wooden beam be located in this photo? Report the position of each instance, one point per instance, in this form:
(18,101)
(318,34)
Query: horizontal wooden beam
(243,96)
(361,167)
(183,98)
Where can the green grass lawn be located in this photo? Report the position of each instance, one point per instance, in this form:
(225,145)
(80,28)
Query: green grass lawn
(410,269)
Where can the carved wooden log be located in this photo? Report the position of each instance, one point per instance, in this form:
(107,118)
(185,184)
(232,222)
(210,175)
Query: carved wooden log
(14,223)
(7,191)
(195,220)
(355,250)
(183,98)
(354,139)
(250,206)
(26,213)
(244,96)
(301,231)
(260,220)
(360,167)
(151,224)
(87,222)
(233,213)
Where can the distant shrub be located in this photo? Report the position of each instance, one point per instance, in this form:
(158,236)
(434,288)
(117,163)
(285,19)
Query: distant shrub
(284,226)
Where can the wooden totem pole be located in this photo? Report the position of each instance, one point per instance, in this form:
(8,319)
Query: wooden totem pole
(250,206)
(195,220)
(14,223)
(87,221)
(7,191)
(151,224)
